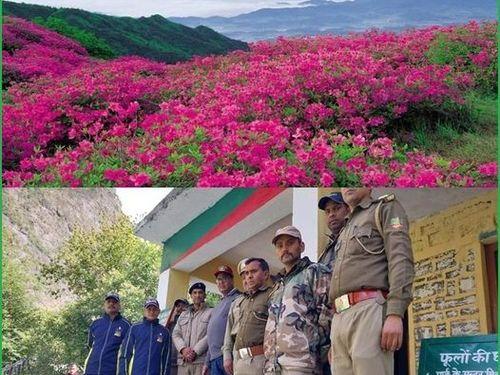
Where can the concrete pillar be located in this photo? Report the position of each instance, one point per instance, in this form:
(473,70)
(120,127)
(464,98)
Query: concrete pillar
(305,218)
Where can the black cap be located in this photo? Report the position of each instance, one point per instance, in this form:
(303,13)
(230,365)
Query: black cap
(112,295)
(334,197)
(152,302)
(197,286)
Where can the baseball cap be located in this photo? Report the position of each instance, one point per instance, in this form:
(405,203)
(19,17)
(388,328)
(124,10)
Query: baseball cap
(290,230)
(197,286)
(334,197)
(180,300)
(224,269)
(112,295)
(152,302)
(241,265)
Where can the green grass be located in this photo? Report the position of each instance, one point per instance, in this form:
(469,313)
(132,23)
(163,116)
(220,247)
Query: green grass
(467,132)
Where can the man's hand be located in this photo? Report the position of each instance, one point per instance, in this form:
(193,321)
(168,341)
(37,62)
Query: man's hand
(204,370)
(188,354)
(392,333)
(228,366)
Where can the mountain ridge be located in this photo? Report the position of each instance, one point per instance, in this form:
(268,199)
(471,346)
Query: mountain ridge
(325,17)
(154,37)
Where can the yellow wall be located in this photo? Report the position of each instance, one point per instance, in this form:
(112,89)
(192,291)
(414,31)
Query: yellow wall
(178,283)
(206,271)
(450,293)
(176,278)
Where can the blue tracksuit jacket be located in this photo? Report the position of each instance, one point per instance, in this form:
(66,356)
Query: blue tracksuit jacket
(146,350)
(105,338)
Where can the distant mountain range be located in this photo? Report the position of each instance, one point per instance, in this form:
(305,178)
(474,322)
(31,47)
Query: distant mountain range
(153,37)
(327,17)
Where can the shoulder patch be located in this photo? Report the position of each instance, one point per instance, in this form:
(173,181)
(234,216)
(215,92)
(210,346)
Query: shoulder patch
(386,198)
(395,223)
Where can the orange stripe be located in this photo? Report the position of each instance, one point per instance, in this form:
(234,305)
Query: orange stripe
(248,206)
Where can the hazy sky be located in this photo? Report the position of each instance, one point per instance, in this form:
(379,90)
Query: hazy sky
(138,202)
(168,8)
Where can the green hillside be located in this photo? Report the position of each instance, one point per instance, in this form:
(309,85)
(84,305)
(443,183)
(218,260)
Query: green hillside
(153,37)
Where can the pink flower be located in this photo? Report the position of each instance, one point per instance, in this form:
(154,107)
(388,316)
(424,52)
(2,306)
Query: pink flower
(116,175)
(481,59)
(381,148)
(374,177)
(326,179)
(359,141)
(427,178)
(140,179)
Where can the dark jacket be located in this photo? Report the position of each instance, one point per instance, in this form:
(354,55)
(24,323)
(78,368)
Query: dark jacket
(104,339)
(146,350)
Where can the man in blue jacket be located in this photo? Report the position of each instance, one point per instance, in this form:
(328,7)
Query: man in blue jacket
(105,337)
(146,350)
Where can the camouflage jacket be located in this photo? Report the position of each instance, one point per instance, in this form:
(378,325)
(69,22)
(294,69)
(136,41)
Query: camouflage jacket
(298,328)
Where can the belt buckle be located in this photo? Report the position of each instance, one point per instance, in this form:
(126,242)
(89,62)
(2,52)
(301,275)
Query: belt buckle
(342,303)
(244,353)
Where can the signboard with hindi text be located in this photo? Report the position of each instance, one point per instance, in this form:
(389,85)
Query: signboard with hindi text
(467,355)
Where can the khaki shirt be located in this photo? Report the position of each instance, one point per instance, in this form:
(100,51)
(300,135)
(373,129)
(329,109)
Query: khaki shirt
(367,259)
(191,331)
(246,321)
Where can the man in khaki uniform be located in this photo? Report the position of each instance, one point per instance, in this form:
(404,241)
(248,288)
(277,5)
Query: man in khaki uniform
(336,211)
(371,285)
(190,333)
(243,350)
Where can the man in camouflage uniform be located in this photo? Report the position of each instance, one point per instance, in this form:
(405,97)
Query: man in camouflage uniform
(243,343)
(371,285)
(336,211)
(297,330)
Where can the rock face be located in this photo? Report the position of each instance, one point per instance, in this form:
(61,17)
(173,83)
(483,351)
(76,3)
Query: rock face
(37,222)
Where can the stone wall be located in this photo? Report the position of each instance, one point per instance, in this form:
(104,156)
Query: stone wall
(450,297)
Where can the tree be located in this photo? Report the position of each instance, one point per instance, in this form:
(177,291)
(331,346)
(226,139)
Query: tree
(95,46)
(91,263)
(16,308)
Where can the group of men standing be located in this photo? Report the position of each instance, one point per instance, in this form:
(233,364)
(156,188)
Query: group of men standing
(341,316)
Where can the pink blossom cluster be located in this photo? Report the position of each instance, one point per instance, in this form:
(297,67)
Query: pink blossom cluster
(295,112)
(30,51)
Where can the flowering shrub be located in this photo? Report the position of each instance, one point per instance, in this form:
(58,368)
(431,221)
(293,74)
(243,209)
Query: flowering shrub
(295,112)
(30,51)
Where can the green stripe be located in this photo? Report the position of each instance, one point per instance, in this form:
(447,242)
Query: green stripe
(183,240)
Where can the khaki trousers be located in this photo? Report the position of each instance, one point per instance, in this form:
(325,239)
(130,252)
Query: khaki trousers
(190,369)
(356,334)
(249,366)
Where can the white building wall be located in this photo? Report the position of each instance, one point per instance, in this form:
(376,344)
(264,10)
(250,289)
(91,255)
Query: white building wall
(305,218)
(161,295)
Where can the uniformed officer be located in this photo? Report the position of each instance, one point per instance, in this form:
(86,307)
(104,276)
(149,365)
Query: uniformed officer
(371,284)
(190,333)
(243,349)
(336,211)
(296,337)
(146,350)
(105,337)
